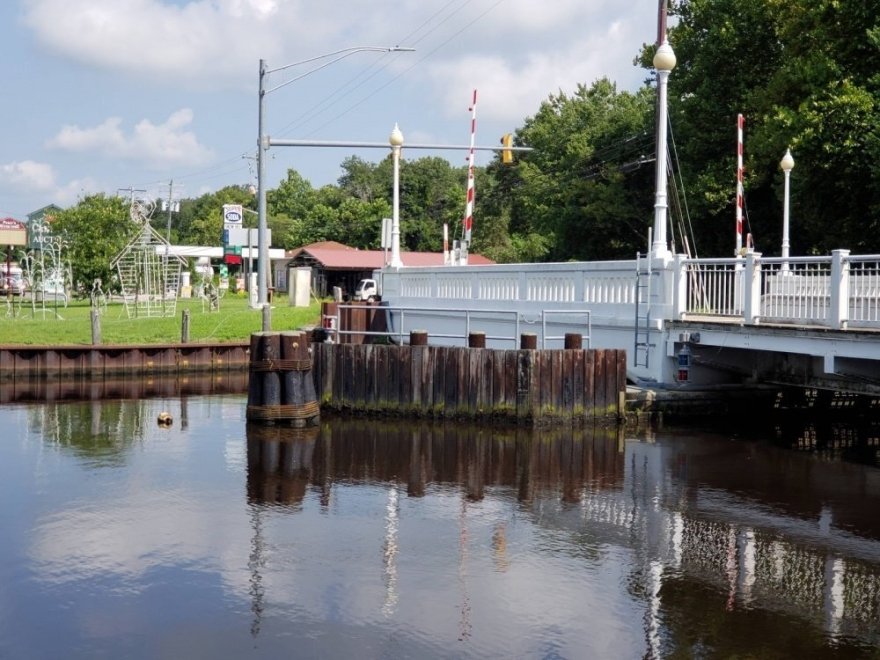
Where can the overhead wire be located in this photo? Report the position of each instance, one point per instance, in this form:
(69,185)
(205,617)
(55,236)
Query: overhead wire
(428,27)
(407,70)
(349,87)
(687,228)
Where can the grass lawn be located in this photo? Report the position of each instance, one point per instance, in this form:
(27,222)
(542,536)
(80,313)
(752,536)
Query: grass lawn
(234,321)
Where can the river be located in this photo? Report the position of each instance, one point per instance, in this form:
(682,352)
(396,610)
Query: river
(392,539)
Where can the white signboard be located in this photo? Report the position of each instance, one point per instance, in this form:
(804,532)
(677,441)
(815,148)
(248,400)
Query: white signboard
(385,242)
(246,237)
(232,216)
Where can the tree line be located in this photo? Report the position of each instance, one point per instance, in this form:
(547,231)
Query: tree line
(805,74)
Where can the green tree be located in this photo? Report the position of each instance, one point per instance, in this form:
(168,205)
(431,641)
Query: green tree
(201,219)
(432,193)
(96,229)
(584,192)
(804,75)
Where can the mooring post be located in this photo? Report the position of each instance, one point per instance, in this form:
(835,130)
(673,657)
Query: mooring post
(184,327)
(418,338)
(528,340)
(96,327)
(573,341)
(477,340)
(267,318)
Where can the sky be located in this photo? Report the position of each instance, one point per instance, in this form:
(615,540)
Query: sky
(161,95)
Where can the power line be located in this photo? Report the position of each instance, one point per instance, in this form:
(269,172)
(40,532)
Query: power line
(406,71)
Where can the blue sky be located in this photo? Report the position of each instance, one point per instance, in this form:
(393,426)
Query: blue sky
(103,95)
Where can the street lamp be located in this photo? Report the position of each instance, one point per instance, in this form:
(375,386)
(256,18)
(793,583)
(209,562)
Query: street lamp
(664,62)
(787,165)
(263,143)
(396,140)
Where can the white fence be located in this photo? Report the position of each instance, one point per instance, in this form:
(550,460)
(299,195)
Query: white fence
(838,292)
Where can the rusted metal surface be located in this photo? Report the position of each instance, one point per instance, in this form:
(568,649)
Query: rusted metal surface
(70,388)
(109,361)
(524,386)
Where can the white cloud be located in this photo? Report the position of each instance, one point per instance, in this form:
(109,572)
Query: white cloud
(214,44)
(217,43)
(29,175)
(509,82)
(156,145)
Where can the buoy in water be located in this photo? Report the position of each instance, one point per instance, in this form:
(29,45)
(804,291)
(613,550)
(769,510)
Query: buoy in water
(165,419)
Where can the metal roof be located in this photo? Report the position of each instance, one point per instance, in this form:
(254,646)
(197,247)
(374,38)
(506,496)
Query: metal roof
(341,257)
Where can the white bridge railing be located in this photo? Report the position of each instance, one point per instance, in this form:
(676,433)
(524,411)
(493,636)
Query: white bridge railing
(838,292)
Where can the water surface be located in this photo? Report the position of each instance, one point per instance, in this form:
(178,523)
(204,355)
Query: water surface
(380,539)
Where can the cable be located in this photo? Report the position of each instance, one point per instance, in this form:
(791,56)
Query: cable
(405,71)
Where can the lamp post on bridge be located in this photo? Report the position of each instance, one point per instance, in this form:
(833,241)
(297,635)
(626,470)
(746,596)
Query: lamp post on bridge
(396,140)
(664,63)
(787,165)
(263,144)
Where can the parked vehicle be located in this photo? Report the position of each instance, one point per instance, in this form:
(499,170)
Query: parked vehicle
(367,290)
(11,281)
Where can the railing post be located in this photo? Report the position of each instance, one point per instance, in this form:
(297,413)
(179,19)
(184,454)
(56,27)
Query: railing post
(679,287)
(752,289)
(838,314)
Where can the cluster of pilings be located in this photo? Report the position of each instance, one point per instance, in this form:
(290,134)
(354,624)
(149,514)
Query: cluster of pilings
(281,388)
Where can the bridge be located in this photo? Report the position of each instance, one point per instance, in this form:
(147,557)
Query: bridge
(685,322)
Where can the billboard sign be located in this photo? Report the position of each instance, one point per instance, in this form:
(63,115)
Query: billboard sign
(12,232)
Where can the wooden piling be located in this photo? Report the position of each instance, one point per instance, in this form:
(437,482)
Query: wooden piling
(528,340)
(524,386)
(573,341)
(96,327)
(281,387)
(418,338)
(477,340)
(184,327)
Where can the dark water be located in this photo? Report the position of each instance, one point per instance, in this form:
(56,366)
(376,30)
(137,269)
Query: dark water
(363,539)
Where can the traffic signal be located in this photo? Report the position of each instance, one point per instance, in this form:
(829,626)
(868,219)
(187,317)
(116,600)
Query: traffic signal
(506,153)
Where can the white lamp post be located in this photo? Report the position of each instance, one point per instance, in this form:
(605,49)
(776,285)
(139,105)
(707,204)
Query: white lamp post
(263,143)
(664,62)
(787,165)
(396,140)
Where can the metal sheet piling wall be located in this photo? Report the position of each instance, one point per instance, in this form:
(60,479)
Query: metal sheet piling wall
(521,386)
(110,361)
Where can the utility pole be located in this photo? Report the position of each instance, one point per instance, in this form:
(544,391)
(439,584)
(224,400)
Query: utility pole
(170,204)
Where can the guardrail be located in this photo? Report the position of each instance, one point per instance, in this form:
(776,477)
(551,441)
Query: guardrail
(839,291)
(444,320)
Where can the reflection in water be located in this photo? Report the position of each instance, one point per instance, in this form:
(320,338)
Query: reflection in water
(42,389)
(101,432)
(854,438)
(282,462)
(371,539)
(676,505)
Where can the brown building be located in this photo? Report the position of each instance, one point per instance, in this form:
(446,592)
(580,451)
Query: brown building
(334,264)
